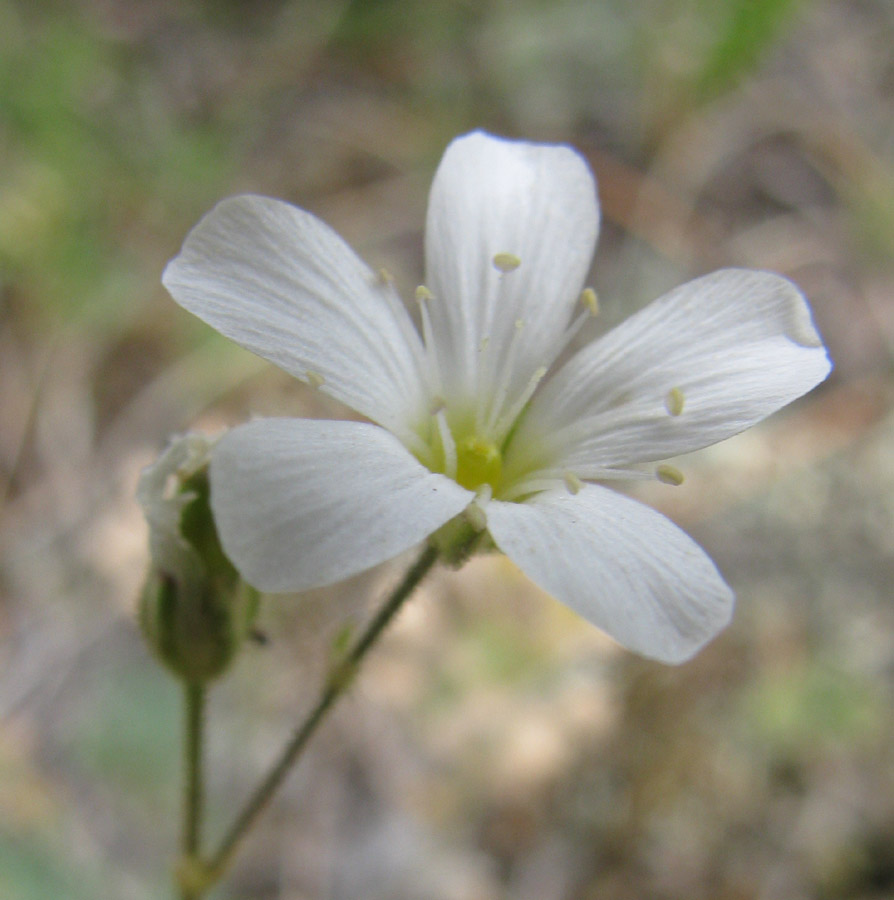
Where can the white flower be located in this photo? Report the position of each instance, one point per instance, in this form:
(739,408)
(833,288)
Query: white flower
(475,409)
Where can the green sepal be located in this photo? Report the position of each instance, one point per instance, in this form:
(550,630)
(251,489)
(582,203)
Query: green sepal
(460,538)
(195,611)
(195,633)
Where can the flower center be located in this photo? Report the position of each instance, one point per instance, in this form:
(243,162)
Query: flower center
(469,436)
(478,462)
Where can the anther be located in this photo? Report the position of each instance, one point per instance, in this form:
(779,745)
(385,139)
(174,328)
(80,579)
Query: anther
(423,293)
(674,401)
(506,262)
(572,482)
(314,379)
(590,300)
(669,475)
(438,404)
(384,277)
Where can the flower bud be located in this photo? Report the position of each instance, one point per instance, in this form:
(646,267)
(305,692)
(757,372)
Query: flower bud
(195,610)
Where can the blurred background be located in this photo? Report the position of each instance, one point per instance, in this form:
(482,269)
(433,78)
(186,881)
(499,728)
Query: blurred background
(495,746)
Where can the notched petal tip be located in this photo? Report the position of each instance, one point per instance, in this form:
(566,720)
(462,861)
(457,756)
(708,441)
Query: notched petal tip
(237,208)
(689,647)
(793,311)
(799,325)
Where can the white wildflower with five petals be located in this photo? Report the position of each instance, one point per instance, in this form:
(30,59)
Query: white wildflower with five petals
(475,410)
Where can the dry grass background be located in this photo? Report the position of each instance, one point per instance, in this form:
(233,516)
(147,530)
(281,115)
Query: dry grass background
(495,746)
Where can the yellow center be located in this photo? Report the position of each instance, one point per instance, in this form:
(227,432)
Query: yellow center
(478,461)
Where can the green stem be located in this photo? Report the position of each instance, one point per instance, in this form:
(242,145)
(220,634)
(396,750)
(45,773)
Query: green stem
(193,787)
(337,683)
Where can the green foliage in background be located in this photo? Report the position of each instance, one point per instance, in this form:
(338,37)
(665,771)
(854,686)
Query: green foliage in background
(96,161)
(737,33)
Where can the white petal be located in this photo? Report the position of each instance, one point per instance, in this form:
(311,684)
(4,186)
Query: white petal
(492,196)
(734,346)
(300,503)
(620,565)
(281,283)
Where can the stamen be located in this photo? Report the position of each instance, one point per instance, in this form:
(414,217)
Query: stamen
(506,262)
(590,300)
(572,330)
(497,373)
(384,277)
(438,404)
(548,479)
(572,482)
(423,294)
(314,379)
(613,473)
(505,422)
(674,401)
(669,475)
(530,485)
(448,444)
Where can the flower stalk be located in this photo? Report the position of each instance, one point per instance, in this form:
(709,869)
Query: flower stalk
(194,696)
(337,683)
